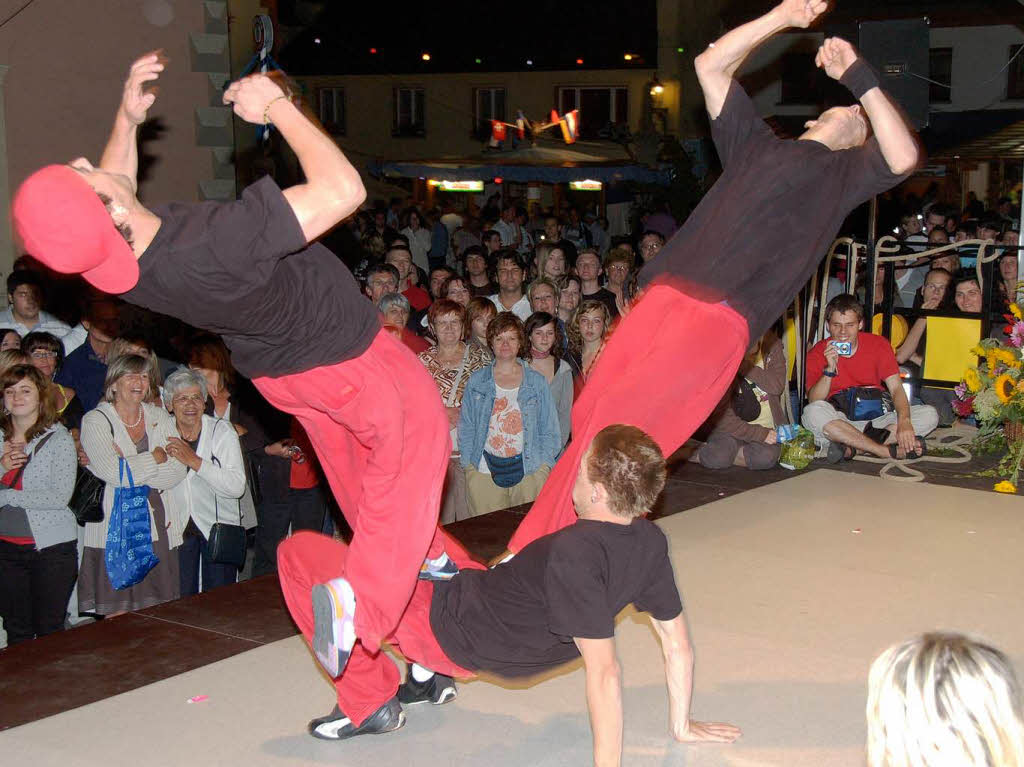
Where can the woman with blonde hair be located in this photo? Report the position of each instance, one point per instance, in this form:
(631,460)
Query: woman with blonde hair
(588,332)
(551,262)
(124,345)
(127,425)
(942,700)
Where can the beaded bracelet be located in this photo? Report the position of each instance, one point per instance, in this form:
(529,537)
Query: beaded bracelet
(266,109)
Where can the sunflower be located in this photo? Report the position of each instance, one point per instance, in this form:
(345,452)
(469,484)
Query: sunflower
(1006,357)
(972,380)
(1016,312)
(1005,487)
(1005,387)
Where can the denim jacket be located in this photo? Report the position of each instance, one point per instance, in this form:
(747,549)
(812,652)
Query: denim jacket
(541,436)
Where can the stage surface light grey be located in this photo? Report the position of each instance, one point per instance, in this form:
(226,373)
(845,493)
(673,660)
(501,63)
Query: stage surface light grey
(791,590)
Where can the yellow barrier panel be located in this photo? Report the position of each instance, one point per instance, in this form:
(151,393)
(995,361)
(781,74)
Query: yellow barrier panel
(947,347)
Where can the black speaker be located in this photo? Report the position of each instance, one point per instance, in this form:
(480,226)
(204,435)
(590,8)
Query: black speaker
(899,51)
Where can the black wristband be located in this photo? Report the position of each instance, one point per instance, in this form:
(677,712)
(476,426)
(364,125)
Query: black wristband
(828,374)
(859,78)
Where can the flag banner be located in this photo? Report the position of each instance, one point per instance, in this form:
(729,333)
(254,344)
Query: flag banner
(570,126)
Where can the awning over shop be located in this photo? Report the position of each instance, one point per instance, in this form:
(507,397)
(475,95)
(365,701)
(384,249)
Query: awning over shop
(605,162)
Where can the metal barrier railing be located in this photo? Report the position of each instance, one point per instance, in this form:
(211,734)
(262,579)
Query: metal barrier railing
(807,312)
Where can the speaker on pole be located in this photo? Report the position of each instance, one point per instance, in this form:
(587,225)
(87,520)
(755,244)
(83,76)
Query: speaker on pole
(898,50)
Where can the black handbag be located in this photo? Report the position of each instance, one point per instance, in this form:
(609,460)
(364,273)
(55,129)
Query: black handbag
(87,500)
(226,544)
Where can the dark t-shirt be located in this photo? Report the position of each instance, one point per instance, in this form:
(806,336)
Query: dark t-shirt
(486,291)
(606,297)
(761,230)
(242,269)
(520,618)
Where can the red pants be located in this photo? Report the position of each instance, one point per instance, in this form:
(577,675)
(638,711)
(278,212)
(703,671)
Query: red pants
(369,681)
(664,370)
(381,434)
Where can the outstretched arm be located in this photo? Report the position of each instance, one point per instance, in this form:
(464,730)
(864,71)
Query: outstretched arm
(675,646)
(332,189)
(840,61)
(716,65)
(121,154)
(604,698)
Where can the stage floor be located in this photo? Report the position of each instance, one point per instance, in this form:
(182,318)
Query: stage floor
(790,590)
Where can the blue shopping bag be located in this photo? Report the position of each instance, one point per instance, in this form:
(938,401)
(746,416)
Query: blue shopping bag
(129,553)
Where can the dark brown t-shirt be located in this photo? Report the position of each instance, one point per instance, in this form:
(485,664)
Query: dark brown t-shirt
(763,228)
(520,618)
(243,269)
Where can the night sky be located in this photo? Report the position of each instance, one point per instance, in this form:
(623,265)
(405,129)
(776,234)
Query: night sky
(503,35)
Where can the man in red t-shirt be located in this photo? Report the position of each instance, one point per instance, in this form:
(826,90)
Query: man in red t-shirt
(870,362)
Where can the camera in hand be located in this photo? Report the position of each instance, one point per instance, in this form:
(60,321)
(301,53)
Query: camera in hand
(843,348)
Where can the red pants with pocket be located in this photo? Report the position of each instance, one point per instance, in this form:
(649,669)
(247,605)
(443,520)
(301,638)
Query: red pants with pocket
(381,433)
(664,369)
(306,559)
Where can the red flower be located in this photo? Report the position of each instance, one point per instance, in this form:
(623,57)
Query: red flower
(963,408)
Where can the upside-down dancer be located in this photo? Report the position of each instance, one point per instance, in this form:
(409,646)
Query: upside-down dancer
(295,322)
(751,244)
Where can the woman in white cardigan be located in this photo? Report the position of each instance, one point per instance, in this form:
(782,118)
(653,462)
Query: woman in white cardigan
(125,424)
(215,481)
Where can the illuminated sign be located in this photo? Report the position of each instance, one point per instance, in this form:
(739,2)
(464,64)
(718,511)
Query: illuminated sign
(586,186)
(458,186)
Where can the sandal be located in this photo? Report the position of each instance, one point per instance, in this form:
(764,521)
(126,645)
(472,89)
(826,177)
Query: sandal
(838,452)
(913,454)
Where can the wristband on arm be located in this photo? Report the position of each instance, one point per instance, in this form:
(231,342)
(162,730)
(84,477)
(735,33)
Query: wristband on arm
(859,78)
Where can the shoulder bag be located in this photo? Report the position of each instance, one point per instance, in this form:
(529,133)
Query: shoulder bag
(227,540)
(129,551)
(87,500)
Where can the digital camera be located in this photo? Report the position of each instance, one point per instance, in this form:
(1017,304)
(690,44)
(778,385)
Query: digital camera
(843,348)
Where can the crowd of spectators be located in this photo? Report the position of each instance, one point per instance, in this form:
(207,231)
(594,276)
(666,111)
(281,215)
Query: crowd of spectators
(509,312)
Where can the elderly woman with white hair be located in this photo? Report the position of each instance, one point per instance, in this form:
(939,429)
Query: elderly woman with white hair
(215,480)
(126,425)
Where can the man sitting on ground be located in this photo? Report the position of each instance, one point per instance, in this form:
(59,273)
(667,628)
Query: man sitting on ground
(844,378)
(556,601)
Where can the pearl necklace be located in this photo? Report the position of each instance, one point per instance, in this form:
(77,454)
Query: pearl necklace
(137,420)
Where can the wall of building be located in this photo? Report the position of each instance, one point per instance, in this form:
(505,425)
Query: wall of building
(66,63)
(449,107)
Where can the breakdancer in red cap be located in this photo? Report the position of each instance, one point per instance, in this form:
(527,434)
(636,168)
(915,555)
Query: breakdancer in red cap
(297,324)
(742,255)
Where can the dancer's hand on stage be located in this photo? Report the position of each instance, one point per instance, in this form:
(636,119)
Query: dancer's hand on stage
(251,96)
(137,99)
(802,13)
(835,56)
(705,732)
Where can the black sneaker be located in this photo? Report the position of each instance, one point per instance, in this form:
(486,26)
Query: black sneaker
(437,690)
(337,726)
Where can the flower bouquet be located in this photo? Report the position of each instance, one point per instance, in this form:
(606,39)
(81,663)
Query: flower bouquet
(993,392)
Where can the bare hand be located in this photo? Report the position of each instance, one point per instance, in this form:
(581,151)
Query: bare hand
(137,99)
(706,732)
(252,95)
(905,436)
(802,13)
(14,455)
(279,449)
(159,455)
(835,56)
(182,452)
(930,303)
(831,357)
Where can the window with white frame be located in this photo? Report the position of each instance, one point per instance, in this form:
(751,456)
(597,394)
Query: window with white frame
(408,112)
(488,104)
(598,107)
(332,110)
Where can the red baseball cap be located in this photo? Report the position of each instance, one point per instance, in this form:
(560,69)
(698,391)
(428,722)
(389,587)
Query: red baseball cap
(64,224)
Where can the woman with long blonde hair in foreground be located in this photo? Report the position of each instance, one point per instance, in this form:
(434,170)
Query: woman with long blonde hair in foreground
(944,700)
